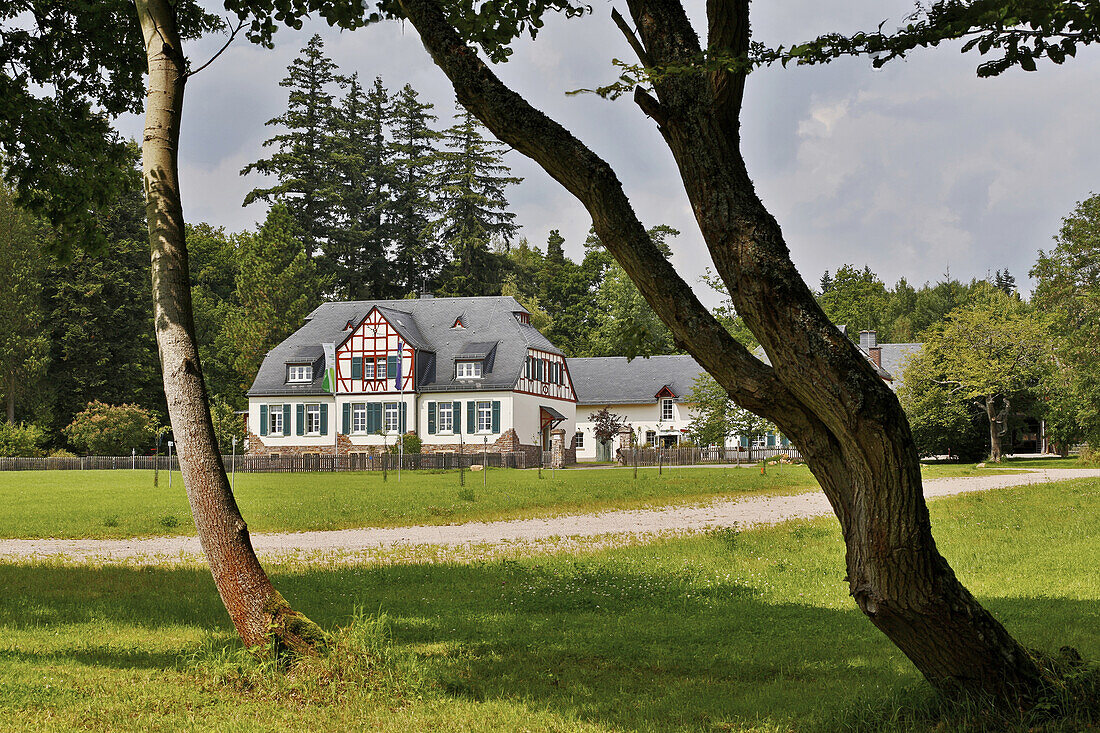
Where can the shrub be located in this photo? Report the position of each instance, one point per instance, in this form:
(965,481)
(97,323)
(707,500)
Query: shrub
(112,430)
(412,444)
(22,441)
(227,425)
(61,453)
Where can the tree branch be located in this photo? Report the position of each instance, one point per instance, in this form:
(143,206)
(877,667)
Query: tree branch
(631,38)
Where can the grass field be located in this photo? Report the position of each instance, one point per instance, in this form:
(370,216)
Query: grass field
(721,632)
(115,504)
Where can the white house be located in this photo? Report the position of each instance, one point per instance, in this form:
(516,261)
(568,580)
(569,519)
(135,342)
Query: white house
(464,374)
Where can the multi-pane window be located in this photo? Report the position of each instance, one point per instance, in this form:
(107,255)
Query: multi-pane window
(299,373)
(380,368)
(468,369)
(313,419)
(666,408)
(368,369)
(391,417)
(359,418)
(275,419)
(578,440)
(651,437)
(446,418)
(760,441)
(484,417)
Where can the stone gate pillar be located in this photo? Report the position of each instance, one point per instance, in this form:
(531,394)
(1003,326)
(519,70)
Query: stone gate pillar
(557,448)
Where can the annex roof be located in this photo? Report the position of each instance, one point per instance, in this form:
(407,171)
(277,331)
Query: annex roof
(426,324)
(614,380)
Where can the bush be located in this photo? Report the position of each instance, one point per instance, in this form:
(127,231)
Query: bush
(61,453)
(21,441)
(412,444)
(112,430)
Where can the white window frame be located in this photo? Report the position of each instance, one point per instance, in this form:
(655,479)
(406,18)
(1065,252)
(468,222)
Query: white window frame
(299,374)
(578,439)
(666,409)
(368,368)
(485,417)
(391,409)
(445,417)
(760,441)
(380,370)
(468,370)
(651,437)
(359,418)
(275,418)
(313,418)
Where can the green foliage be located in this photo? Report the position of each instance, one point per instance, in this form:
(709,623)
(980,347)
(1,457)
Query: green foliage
(855,298)
(112,430)
(942,421)
(227,426)
(715,417)
(23,345)
(20,440)
(1068,292)
(277,287)
(214,267)
(301,162)
(474,209)
(409,442)
(606,424)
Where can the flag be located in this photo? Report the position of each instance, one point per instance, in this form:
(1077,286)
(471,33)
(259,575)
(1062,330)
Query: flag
(330,368)
(400,360)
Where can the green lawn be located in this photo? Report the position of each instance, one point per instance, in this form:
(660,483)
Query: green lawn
(115,504)
(722,632)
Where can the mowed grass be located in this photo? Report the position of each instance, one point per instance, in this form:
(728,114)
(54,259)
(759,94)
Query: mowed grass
(720,632)
(119,504)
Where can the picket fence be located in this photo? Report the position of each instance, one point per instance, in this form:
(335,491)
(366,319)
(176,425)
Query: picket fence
(692,456)
(271,464)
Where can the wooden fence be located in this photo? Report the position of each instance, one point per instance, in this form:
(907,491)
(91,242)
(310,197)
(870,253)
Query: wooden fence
(694,456)
(270,464)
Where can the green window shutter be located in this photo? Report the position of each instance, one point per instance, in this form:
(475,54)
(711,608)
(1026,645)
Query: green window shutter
(456,414)
(744,441)
(391,366)
(286,419)
(356,367)
(263,419)
(496,416)
(402,423)
(374,417)
(300,423)
(431,418)
(471,416)
(346,419)
(771,440)
(324,419)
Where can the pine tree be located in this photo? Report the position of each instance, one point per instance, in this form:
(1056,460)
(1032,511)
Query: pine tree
(1005,282)
(826,283)
(475,212)
(417,260)
(277,287)
(362,193)
(302,164)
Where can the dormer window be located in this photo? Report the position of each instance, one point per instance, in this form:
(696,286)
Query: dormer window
(468,370)
(299,373)
(523,318)
(458,323)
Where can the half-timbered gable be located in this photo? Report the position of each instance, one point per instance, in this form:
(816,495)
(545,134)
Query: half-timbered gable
(546,374)
(375,351)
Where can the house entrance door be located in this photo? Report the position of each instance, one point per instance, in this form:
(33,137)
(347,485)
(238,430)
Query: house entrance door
(603,450)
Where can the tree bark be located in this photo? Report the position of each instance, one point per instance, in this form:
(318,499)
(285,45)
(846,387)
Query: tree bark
(256,608)
(819,389)
(996,429)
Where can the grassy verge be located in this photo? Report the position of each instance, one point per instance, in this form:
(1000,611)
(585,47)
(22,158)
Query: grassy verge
(723,632)
(118,504)
(1050,462)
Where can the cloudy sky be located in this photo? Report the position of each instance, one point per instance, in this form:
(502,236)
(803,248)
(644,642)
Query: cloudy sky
(915,170)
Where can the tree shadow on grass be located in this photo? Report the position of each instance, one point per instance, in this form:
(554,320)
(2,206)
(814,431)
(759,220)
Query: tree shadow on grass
(588,640)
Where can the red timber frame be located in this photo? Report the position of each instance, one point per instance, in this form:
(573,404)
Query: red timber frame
(543,388)
(374,338)
(665,392)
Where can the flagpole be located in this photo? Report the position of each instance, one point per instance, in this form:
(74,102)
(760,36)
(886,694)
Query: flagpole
(401,389)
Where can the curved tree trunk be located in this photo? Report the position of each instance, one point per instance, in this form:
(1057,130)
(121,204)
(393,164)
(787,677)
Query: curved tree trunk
(819,389)
(257,609)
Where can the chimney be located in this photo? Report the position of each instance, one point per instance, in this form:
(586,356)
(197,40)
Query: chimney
(425,294)
(868,340)
(876,355)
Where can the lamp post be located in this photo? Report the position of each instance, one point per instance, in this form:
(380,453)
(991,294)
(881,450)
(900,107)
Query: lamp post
(170,444)
(233,466)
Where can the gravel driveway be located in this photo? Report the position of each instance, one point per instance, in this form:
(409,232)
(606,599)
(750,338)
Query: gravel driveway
(641,522)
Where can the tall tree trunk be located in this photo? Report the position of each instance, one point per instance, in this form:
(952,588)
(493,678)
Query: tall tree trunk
(818,389)
(994,431)
(255,606)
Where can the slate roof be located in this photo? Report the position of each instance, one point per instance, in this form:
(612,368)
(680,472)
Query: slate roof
(895,357)
(612,380)
(425,323)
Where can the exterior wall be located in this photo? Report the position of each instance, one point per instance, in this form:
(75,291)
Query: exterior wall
(536,376)
(640,416)
(507,418)
(373,339)
(527,421)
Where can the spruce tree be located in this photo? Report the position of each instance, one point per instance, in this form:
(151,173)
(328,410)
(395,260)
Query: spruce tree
(362,193)
(475,216)
(417,260)
(302,163)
